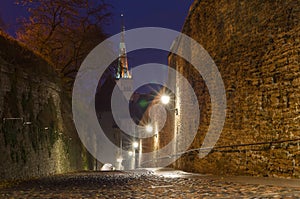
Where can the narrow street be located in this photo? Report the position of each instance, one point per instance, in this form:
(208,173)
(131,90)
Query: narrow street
(152,183)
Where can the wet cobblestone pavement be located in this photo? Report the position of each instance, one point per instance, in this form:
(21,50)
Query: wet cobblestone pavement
(142,184)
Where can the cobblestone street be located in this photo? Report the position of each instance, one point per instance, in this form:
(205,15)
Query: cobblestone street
(150,184)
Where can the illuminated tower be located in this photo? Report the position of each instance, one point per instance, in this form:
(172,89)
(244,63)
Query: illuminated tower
(122,71)
(123,75)
(125,84)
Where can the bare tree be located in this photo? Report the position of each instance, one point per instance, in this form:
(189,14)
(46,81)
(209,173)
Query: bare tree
(64,31)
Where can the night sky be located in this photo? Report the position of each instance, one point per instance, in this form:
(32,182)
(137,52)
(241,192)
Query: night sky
(155,13)
(160,13)
(164,13)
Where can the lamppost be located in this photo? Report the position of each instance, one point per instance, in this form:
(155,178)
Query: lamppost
(135,145)
(165,100)
(119,157)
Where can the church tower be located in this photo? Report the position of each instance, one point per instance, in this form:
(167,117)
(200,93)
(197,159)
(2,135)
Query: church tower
(125,84)
(123,73)
(122,70)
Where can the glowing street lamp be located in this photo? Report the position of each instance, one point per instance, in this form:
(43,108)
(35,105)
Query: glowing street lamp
(135,145)
(149,128)
(165,99)
(130,153)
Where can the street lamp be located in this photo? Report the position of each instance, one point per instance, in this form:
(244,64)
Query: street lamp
(149,128)
(135,145)
(165,99)
(120,159)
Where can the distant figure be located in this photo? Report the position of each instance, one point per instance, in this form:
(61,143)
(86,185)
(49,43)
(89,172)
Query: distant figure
(107,167)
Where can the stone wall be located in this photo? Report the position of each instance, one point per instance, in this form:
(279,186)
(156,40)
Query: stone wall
(37,135)
(256,46)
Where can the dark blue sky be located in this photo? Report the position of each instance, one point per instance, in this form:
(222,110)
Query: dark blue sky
(155,13)
(160,13)
(137,13)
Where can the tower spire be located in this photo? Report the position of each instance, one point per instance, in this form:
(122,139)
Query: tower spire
(122,71)
(122,29)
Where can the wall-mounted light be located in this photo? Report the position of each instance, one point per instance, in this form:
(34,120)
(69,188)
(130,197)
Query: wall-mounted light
(165,99)
(149,128)
(135,145)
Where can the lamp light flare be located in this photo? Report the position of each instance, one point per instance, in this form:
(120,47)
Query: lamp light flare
(165,99)
(135,145)
(149,128)
(130,153)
